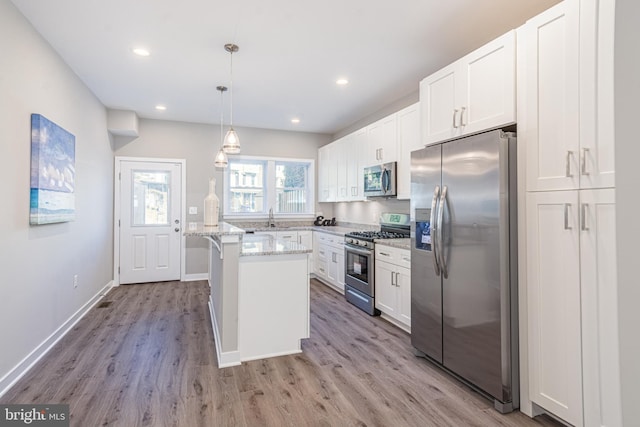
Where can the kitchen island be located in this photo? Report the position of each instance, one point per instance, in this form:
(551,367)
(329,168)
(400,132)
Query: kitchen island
(259,300)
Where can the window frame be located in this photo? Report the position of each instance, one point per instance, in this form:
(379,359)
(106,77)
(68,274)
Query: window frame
(269,189)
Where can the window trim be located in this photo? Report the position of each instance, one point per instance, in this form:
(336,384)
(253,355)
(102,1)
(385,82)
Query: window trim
(270,191)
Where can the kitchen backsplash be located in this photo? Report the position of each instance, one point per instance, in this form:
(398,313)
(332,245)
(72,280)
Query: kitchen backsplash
(367,212)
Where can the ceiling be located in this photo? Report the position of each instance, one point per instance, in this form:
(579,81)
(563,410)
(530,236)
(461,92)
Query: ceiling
(291,53)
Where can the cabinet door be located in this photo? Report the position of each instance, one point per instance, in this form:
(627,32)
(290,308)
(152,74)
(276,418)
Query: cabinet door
(341,156)
(323,173)
(403,284)
(597,166)
(438,105)
(408,140)
(487,91)
(549,124)
(339,257)
(355,165)
(553,294)
(385,288)
(600,358)
(320,263)
(381,140)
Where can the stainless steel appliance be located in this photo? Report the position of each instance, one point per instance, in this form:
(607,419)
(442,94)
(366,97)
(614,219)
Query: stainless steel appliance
(359,253)
(464,261)
(380,180)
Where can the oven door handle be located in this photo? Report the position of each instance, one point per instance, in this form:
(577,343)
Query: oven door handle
(358,250)
(434,229)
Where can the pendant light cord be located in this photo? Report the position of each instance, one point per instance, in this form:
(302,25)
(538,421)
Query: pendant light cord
(231,90)
(221,119)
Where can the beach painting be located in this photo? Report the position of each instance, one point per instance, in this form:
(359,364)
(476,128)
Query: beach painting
(53,172)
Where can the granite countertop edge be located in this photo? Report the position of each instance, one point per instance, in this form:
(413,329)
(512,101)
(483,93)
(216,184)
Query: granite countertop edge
(395,243)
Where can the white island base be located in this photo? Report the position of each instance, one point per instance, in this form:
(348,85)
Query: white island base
(273,302)
(259,300)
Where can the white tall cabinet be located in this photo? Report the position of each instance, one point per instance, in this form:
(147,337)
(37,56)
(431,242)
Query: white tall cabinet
(567,267)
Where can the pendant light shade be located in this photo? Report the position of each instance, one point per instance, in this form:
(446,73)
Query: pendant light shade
(231,143)
(221,160)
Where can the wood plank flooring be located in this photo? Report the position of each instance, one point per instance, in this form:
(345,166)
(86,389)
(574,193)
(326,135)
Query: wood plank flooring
(148,360)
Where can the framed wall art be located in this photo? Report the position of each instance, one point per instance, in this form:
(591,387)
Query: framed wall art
(53,172)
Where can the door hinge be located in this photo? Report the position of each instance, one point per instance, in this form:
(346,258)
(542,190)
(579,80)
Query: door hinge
(118,223)
(120,176)
(118,270)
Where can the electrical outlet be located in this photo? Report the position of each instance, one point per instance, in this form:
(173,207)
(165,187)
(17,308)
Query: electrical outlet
(193,226)
(75,280)
(193,210)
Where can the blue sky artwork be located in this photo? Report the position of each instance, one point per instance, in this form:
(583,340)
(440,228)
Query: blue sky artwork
(53,172)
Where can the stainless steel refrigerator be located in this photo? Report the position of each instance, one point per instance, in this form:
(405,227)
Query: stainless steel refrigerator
(464,261)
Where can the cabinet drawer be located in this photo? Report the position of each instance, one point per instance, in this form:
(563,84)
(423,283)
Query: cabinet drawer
(396,256)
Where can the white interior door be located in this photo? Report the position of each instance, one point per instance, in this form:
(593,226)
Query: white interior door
(150,228)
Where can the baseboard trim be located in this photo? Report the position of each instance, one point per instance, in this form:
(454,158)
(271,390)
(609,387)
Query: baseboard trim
(226,359)
(194,277)
(14,375)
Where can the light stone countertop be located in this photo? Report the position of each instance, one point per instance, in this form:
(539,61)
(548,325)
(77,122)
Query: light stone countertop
(260,245)
(395,243)
(222,229)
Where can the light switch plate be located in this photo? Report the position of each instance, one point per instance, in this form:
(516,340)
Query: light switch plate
(193,210)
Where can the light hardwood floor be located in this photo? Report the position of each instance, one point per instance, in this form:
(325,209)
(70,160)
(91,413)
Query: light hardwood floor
(148,360)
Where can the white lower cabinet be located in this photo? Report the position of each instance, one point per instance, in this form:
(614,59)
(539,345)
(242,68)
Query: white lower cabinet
(329,259)
(393,284)
(572,300)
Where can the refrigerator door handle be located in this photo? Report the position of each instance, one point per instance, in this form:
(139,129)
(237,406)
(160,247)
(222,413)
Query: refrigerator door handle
(434,229)
(440,242)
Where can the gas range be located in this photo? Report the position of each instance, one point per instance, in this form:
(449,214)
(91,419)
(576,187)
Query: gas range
(360,258)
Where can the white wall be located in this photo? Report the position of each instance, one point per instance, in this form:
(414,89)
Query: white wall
(627,94)
(198,144)
(38,262)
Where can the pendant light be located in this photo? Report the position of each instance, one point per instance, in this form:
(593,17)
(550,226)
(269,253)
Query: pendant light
(221,158)
(231,141)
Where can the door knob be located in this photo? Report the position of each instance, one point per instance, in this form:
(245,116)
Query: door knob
(177,221)
(177,229)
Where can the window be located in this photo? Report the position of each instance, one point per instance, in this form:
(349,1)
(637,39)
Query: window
(253,185)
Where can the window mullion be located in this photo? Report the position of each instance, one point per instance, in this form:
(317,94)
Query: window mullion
(271,185)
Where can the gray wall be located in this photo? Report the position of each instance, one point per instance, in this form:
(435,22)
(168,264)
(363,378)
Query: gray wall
(198,144)
(627,94)
(38,262)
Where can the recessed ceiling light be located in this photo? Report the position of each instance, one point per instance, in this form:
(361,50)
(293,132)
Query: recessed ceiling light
(140,51)
(295,120)
(342,82)
(160,107)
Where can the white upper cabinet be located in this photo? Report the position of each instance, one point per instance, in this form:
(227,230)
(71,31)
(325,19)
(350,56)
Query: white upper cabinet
(473,94)
(549,49)
(381,141)
(408,140)
(355,165)
(342,150)
(597,21)
(567,88)
(327,173)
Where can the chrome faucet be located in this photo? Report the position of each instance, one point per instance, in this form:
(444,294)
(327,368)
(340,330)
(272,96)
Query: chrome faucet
(272,221)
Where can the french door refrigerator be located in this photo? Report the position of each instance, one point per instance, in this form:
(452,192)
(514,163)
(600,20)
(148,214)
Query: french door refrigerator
(464,263)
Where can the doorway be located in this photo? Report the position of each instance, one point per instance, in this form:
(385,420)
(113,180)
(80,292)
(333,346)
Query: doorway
(149,213)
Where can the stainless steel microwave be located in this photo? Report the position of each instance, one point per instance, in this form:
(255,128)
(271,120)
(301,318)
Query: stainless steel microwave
(380,180)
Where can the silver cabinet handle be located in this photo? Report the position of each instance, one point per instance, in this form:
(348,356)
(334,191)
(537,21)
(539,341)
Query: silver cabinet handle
(392,284)
(583,217)
(434,229)
(384,253)
(462,123)
(583,167)
(404,258)
(566,216)
(443,261)
(397,284)
(455,113)
(568,164)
